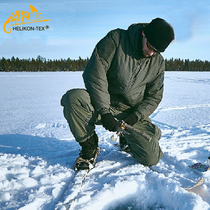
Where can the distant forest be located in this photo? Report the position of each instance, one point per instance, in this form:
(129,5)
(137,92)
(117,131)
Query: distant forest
(42,64)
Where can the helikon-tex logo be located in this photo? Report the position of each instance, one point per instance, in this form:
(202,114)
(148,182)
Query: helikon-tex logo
(23,17)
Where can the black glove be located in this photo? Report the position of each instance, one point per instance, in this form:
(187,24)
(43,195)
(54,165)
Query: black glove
(131,119)
(108,122)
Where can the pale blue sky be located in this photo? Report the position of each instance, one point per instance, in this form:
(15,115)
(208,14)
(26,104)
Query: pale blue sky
(77,25)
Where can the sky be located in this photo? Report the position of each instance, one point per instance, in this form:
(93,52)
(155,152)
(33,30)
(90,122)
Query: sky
(75,26)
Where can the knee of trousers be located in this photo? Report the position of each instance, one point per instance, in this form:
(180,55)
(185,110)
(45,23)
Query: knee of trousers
(78,112)
(77,105)
(75,96)
(145,152)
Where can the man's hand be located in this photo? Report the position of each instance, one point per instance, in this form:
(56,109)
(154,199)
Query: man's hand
(108,122)
(131,119)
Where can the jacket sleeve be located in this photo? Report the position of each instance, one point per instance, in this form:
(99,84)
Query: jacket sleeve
(152,97)
(95,73)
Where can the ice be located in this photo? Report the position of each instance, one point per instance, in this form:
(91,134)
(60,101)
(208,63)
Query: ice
(37,150)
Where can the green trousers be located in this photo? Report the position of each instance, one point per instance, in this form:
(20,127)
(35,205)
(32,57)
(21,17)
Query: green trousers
(82,119)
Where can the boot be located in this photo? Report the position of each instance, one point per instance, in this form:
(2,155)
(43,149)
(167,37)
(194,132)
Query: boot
(87,156)
(124,146)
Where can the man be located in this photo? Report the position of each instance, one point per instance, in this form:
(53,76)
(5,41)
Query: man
(124,81)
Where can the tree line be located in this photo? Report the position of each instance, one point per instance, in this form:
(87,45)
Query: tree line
(42,64)
(187,65)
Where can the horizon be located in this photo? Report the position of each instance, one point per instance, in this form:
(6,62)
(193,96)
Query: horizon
(76,59)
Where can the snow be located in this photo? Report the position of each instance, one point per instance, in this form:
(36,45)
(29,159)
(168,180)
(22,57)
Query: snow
(37,150)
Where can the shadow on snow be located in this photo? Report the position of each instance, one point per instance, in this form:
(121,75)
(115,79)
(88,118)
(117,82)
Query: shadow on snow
(51,150)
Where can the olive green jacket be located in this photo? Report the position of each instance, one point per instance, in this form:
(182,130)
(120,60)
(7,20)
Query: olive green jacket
(117,72)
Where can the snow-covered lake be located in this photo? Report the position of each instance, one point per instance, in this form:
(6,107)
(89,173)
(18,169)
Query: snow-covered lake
(37,150)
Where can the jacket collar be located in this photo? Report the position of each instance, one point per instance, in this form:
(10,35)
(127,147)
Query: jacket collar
(135,36)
